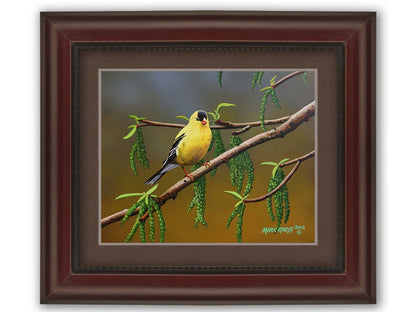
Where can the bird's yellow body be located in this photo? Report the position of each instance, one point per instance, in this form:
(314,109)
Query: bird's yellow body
(189,147)
(193,147)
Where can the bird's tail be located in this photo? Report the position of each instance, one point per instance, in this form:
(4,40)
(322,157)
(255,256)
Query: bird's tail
(154,178)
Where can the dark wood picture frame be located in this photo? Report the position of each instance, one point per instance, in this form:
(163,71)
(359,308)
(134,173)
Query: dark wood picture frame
(61,284)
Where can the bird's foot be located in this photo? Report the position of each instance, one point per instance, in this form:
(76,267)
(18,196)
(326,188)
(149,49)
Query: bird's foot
(190,176)
(206,164)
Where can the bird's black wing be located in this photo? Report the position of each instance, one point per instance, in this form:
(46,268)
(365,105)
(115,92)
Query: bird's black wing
(167,164)
(172,152)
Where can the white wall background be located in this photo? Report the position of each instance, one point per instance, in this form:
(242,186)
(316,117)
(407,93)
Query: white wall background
(19,130)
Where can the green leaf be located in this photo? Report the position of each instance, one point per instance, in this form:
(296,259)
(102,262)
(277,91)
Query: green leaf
(137,118)
(128,195)
(272,80)
(214,116)
(274,170)
(235,194)
(224,105)
(183,117)
(152,189)
(141,198)
(283,161)
(134,117)
(269,163)
(133,131)
(265,88)
(238,203)
(146,200)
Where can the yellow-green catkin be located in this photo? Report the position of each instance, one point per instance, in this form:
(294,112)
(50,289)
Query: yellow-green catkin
(198,199)
(287,205)
(138,151)
(132,158)
(284,197)
(138,224)
(219,78)
(239,213)
(231,217)
(263,103)
(239,229)
(272,94)
(274,98)
(151,224)
(259,78)
(141,149)
(192,203)
(142,225)
(162,227)
(239,165)
(133,230)
(129,212)
(278,203)
(280,199)
(254,80)
(269,204)
(305,74)
(249,169)
(236,165)
(149,205)
(218,148)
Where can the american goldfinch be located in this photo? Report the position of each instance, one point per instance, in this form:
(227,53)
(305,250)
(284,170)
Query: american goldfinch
(189,147)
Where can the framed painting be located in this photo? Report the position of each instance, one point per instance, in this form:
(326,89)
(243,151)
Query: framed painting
(208,157)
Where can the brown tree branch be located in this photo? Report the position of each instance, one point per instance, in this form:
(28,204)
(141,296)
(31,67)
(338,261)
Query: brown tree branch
(220,124)
(291,124)
(286,78)
(285,180)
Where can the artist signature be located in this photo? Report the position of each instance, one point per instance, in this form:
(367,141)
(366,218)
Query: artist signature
(298,229)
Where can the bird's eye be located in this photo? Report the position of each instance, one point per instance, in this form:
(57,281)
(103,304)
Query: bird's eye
(197,118)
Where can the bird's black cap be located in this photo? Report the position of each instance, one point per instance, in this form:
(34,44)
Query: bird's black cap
(202,115)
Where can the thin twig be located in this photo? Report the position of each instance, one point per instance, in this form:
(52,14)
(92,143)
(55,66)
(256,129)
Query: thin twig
(145,122)
(285,180)
(286,78)
(238,132)
(302,158)
(291,124)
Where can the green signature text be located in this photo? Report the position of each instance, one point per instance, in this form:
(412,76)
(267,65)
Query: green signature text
(298,229)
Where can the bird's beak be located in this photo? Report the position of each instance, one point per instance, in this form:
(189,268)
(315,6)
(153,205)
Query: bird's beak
(204,121)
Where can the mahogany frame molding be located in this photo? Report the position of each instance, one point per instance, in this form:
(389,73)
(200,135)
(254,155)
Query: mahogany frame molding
(355,30)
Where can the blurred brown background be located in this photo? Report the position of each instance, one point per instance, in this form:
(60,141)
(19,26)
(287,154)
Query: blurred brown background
(161,96)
